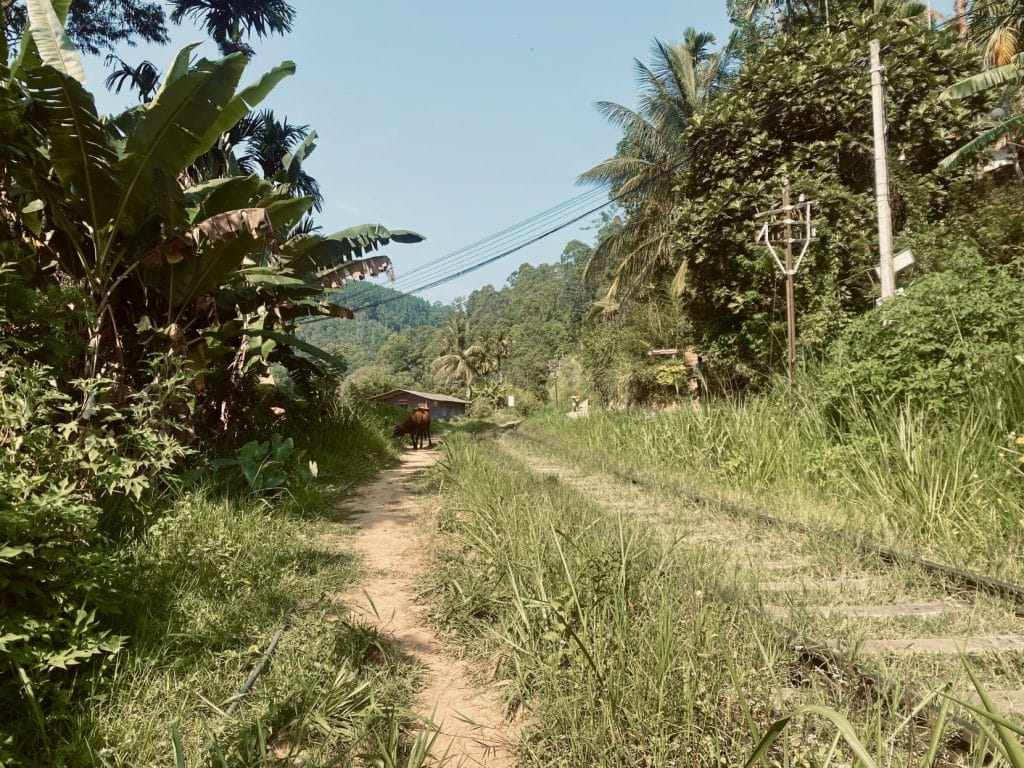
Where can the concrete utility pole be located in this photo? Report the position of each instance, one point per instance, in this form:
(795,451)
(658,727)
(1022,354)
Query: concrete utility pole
(786,217)
(888,271)
(790,298)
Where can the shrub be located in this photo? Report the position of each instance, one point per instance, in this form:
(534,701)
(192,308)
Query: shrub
(74,471)
(265,466)
(953,335)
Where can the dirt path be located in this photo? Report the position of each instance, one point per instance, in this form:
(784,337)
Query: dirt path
(392,537)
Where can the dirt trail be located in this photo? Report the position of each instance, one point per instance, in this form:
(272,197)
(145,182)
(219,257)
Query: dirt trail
(391,536)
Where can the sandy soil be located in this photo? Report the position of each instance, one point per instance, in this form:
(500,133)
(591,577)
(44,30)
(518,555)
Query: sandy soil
(392,535)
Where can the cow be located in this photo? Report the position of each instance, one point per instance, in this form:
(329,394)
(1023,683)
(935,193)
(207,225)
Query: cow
(416,426)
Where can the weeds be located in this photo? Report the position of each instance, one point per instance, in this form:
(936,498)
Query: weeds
(614,647)
(619,649)
(949,489)
(203,590)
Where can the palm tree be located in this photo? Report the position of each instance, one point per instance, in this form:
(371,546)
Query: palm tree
(459,360)
(681,80)
(499,348)
(960,12)
(267,142)
(228,22)
(261,144)
(143,79)
(995,28)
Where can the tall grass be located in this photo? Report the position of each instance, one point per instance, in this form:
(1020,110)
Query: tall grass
(943,485)
(618,649)
(206,587)
(614,647)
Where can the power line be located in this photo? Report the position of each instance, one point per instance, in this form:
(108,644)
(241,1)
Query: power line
(455,260)
(432,278)
(493,244)
(492,259)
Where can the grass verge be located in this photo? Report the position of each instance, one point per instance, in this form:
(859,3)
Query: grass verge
(919,482)
(623,649)
(206,587)
(618,647)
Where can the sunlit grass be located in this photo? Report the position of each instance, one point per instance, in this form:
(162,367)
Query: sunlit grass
(206,587)
(615,646)
(939,486)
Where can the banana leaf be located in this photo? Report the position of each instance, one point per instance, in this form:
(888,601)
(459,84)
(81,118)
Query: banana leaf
(294,310)
(287,340)
(987,138)
(246,100)
(225,194)
(80,148)
(167,135)
(287,211)
(996,77)
(319,253)
(354,270)
(45,41)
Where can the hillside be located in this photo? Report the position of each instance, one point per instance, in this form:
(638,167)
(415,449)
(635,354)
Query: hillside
(380,312)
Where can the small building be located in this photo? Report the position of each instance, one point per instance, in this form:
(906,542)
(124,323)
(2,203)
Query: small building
(442,407)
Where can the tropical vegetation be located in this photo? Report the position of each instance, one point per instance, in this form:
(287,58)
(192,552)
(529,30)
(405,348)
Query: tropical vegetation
(185,358)
(150,301)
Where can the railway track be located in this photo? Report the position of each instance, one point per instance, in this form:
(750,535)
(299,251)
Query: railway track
(902,625)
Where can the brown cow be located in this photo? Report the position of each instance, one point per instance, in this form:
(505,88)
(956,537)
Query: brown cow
(417,426)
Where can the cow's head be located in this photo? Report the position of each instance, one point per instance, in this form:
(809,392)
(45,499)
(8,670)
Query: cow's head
(398,431)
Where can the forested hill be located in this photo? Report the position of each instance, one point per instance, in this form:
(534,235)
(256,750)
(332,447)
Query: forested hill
(380,312)
(390,308)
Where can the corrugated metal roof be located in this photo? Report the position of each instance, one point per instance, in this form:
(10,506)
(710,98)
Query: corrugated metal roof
(422,396)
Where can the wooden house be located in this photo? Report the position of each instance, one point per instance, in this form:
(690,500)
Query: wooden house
(441,407)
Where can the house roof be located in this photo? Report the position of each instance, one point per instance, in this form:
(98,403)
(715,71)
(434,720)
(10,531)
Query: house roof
(421,396)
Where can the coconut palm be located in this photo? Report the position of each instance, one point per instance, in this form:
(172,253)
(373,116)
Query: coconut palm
(230,22)
(995,28)
(680,81)
(459,361)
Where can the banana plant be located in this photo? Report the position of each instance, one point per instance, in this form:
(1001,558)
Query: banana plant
(1004,77)
(210,269)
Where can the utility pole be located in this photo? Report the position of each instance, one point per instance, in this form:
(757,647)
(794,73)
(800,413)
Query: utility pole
(786,217)
(790,297)
(888,271)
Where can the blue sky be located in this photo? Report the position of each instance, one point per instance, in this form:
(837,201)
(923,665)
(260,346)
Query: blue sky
(458,118)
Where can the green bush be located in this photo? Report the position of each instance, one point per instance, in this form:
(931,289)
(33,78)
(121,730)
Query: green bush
(265,466)
(952,336)
(526,402)
(74,472)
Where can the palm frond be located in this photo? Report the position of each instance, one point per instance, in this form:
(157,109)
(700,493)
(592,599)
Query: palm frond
(1001,47)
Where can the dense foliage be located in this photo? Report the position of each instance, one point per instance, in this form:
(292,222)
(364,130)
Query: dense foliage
(806,116)
(165,293)
(710,144)
(151,287)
